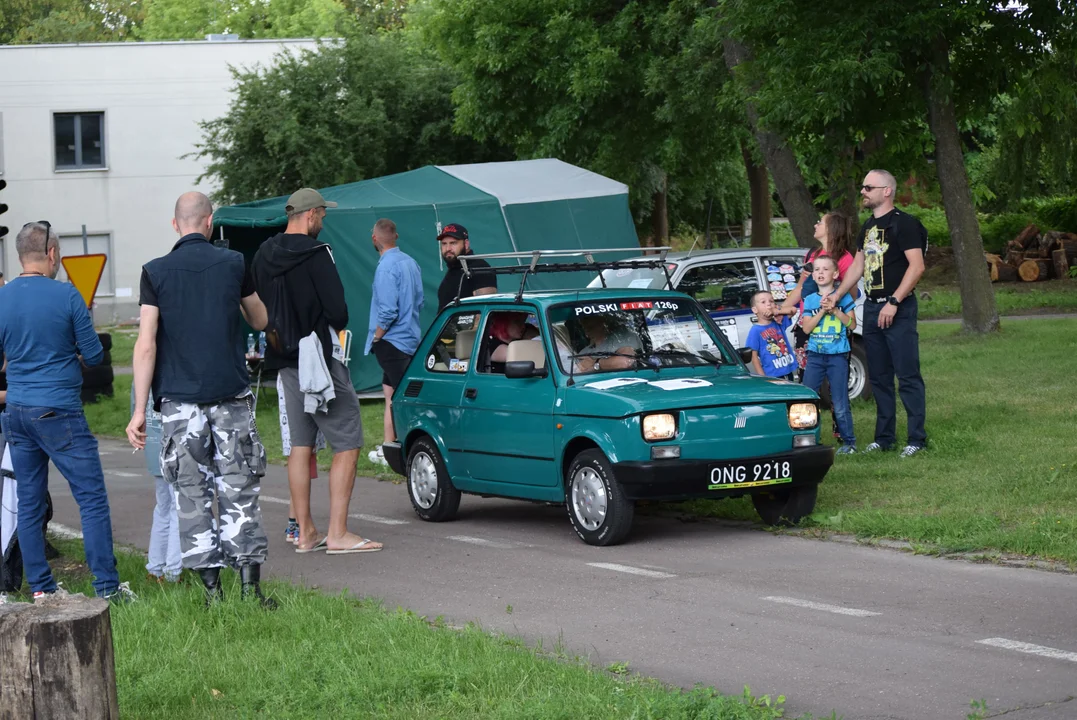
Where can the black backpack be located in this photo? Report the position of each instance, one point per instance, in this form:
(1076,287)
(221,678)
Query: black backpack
(282,331)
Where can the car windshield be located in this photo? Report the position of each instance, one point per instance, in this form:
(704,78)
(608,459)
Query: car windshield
(643,278)
(643,334)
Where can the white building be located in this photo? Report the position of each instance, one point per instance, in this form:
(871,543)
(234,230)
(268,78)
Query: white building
(95,135)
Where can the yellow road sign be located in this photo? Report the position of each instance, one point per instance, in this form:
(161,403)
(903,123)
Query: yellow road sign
(84,272)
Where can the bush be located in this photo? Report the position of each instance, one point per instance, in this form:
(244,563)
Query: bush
(934,219)
(997,230)
(781,235)
(1054,213)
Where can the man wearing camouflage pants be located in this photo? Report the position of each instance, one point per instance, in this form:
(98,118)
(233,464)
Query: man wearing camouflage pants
(189,351)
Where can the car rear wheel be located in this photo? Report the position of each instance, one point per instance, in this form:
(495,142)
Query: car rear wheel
(859,386)
(598,510)
(430,489)
(786,507)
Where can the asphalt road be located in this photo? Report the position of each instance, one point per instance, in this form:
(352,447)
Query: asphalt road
(869,633)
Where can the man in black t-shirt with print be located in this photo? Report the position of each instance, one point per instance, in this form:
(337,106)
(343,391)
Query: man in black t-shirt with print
(454,243)
(891,253)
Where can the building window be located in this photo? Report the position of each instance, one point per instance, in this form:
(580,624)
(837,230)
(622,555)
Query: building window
(80,140)
(95,244)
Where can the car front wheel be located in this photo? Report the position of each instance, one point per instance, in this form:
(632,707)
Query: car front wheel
(786,507)
(598,510)
(430,489)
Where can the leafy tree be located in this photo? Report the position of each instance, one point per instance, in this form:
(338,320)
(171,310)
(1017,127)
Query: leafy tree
(193,19)
(605,85)
(31,21)
(892,65)
(371,105)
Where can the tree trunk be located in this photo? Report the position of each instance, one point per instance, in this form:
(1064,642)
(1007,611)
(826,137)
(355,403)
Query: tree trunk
(660,216)
(979,313)
(56,660)
(779,159)
(759,185)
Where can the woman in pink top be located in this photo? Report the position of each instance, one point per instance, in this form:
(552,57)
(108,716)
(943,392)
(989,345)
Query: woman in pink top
(834,231)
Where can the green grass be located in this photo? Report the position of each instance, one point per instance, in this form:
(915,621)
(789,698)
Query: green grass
(123,345)
(336,655)
(109,417)
(1058,296)
(1000,473)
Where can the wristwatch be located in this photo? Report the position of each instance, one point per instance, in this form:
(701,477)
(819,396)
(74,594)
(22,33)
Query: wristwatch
(597,365)
(893,301)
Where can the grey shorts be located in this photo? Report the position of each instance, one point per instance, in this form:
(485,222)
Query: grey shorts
(342,425)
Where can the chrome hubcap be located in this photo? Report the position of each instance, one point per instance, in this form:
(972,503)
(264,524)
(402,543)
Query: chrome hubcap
(423,479)
(589,498)
(857,377)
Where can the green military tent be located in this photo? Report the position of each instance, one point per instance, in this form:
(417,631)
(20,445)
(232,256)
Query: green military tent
(510,206)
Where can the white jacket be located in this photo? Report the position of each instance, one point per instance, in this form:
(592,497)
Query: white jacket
(315,382)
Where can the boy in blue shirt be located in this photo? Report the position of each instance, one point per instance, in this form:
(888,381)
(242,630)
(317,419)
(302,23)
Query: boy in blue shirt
(827,326)
(771,355)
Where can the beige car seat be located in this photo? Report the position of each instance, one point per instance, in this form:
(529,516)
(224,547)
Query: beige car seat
(527,350)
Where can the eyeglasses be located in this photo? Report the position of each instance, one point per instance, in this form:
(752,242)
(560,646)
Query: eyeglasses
(869,188)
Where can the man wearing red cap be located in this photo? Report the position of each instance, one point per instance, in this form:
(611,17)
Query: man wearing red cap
(454,243)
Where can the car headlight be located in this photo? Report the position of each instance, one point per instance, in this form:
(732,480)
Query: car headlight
(659,427)
(803,416)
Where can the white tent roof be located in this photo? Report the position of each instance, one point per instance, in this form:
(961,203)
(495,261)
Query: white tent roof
(528,181)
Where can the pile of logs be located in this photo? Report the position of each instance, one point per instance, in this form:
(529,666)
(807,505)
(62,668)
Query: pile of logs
(1033,256)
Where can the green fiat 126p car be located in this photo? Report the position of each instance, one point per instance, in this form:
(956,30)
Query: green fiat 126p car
(598,398)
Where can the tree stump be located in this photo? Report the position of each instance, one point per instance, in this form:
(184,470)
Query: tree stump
(1004,273)
(56,660)
(1062,263)
(1033,270)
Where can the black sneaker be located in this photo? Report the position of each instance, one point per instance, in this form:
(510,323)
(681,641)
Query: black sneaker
(876,447)
(122,595)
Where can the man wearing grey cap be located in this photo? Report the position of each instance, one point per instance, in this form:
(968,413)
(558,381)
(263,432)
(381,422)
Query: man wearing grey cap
(297,277)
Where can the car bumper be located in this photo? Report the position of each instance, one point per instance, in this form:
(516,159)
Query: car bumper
(394,456)
(687,479)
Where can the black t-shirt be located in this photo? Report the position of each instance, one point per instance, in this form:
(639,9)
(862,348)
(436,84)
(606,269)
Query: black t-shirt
(197,288)
(451,283)
(884,241)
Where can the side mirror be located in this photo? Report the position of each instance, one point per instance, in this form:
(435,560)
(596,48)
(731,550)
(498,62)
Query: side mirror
(745,355)
(523,369)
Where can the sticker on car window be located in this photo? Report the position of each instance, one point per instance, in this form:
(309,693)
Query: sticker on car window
(457,365)
(598,309)
(430,361)
(640,283)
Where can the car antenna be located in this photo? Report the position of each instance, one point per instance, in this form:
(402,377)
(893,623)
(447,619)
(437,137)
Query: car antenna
(694,243)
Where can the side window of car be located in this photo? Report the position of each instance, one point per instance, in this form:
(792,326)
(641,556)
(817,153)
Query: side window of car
(783,273)
(721,286)
(452,351)
(507,336)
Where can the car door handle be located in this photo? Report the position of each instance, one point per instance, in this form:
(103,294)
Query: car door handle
(471,393)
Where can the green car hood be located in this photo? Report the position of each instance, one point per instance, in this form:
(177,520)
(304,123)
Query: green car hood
(624,395)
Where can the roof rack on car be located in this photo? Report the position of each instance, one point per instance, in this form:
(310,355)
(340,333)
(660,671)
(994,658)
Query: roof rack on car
(588,263)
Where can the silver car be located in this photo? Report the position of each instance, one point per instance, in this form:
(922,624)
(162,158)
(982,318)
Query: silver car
(723,281)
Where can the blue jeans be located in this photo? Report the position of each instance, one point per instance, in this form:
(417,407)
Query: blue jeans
(164,555)
(892,352)
(35,436)
(834,368)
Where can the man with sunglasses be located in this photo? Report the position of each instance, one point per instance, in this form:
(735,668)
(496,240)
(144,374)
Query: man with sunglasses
(46,335)
(891,254)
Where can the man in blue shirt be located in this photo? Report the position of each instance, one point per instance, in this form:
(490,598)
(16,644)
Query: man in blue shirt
(46,335)
(394,317)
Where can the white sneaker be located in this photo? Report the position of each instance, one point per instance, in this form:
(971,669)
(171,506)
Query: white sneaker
(377,456)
